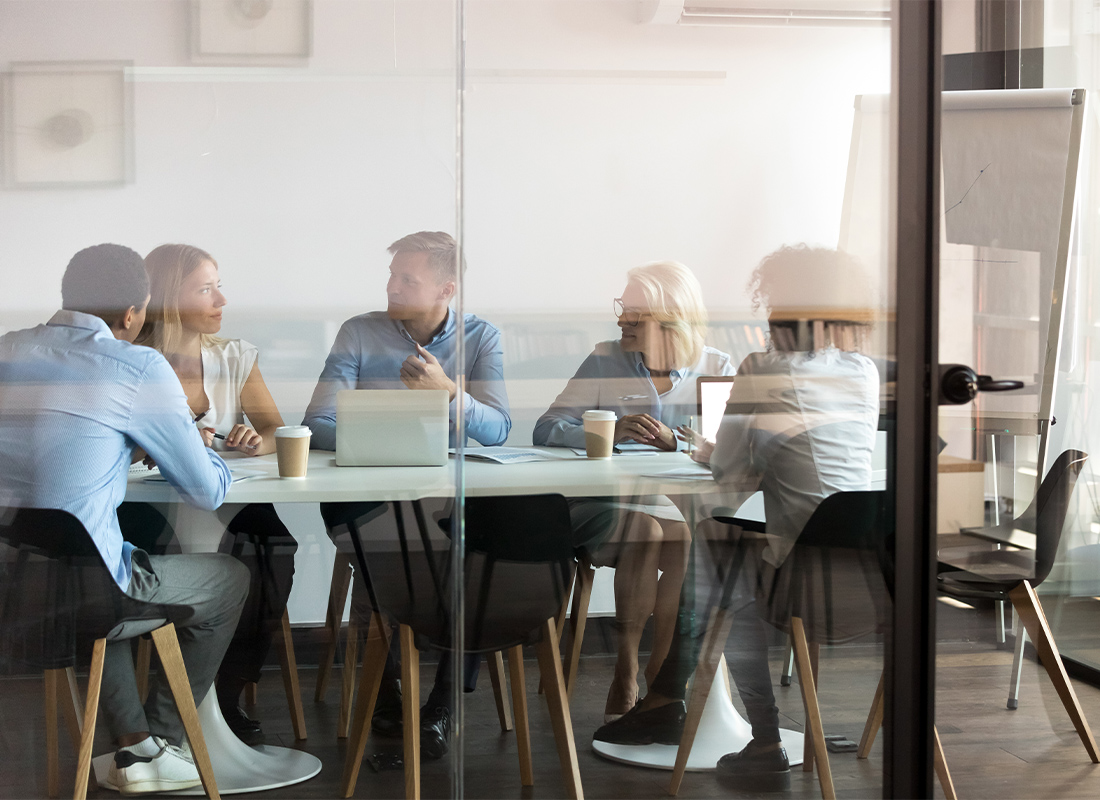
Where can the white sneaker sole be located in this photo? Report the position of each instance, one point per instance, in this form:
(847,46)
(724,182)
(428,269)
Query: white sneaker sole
(157,785)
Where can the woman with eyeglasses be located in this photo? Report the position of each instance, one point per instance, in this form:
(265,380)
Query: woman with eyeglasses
(648,378)
(235,414)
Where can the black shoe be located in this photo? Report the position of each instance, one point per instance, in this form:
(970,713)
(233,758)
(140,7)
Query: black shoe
(388,720)
(243,726)
(661,725)
(435,732)
(755,769)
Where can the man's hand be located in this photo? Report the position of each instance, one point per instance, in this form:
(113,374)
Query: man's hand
(426,373)
(646,430)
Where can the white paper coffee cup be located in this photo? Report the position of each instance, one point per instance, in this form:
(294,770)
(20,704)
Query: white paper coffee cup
(599,432)
(292,450)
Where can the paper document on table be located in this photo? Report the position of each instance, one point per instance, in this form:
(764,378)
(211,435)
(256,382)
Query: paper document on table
(696,473)
(506,455)
(138,468)
(238,475)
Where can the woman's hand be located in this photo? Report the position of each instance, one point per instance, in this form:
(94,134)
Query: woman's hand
(244,439)
(701,448)
(646,430)
(207,436)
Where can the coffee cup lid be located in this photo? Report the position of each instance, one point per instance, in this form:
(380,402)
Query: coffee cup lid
(292,432)
(599,415)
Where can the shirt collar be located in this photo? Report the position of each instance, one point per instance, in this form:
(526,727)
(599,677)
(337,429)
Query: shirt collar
(448,329)
(676,374)
(78,319)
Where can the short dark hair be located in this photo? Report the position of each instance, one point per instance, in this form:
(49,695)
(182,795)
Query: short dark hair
(105,280)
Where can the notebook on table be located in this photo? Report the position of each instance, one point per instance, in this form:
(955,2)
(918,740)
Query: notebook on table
(391,428)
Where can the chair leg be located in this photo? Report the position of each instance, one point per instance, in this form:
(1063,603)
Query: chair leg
(807,743)
(289,666)
(347,679)
(558,700)
(582,596)
(171,661)
(495,662)
(91,706)
(874,719)
(519,706)
(374,663)
(410,710)
(940,765)
(1031,615)
(808,684)
(337,598)
(559,621)
(999,620)
(1017,666)
(788,665)
(141,667)
(72,711)
(53,772)
(718,631)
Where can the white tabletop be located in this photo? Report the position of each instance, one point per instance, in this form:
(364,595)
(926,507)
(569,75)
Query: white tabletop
(567,474)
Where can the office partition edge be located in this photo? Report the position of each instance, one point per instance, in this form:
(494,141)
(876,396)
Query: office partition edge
(915,159)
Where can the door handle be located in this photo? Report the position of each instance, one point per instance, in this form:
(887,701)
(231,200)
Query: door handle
(960,384)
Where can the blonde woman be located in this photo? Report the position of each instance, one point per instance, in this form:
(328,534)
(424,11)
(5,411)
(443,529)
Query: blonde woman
(647,377)
(235,413)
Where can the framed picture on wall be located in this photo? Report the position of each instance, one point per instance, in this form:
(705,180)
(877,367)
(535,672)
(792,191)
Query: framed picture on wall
(67,124)
(251,31)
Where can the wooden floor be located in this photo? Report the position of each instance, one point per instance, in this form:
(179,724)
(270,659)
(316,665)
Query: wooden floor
(992,752)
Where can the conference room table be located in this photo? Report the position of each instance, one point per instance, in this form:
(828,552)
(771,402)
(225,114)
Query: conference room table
(240,768)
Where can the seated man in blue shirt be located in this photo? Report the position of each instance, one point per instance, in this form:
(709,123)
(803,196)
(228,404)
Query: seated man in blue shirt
(87,398)
(412,344)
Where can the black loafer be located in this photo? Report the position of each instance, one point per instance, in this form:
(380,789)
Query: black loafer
(661,725)
(435,732)
(388,720)
(243,726)
(755,770)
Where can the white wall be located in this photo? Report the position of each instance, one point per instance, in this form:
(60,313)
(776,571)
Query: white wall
(593,144)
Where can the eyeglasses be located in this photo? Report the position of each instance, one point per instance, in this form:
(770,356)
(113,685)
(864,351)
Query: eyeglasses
(627,316)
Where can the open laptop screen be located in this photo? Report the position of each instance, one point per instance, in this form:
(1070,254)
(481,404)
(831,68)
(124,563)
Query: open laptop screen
(713,392)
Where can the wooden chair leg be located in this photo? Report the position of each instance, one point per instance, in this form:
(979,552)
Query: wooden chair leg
(171,661)
(710,654)
(582,596)
(374,663)
(289,666)
(1031,614)
(141,667)
(940,765)
(347,679)
(72,711)
(808,684)
(558,700)
(559,622)
(874,719)
(495,662)
(807,744)
(91,706)
(337,598)
(410,710)
(519,705)
(53,771)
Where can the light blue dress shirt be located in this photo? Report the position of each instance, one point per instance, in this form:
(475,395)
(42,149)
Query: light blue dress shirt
(74,403)
(612,380)
(368,352)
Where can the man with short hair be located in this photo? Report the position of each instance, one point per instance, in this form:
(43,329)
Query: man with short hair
(77,399)
(413,344)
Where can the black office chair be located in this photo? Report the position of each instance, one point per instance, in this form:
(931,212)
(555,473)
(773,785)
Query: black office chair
(518,567)
(1012,573)
(60,585)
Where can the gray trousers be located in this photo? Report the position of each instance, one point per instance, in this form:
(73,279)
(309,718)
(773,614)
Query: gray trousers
(206,592)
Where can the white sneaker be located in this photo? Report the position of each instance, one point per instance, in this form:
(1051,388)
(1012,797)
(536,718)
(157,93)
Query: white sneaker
(171,769)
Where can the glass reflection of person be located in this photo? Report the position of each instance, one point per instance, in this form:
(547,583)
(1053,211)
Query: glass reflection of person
(800,423)
(648,378)
(228,397)
(413,345)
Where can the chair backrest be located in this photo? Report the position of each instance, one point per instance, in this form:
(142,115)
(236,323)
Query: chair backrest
(1047,513)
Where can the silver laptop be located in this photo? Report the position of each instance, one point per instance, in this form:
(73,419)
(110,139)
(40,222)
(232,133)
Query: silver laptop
(391,428)
(713,392)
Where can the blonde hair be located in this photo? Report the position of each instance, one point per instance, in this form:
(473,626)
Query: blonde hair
(168,267)
(816,298)
(675,301)
(441,248)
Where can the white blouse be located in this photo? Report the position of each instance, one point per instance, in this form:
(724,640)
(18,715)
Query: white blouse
(226,365)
